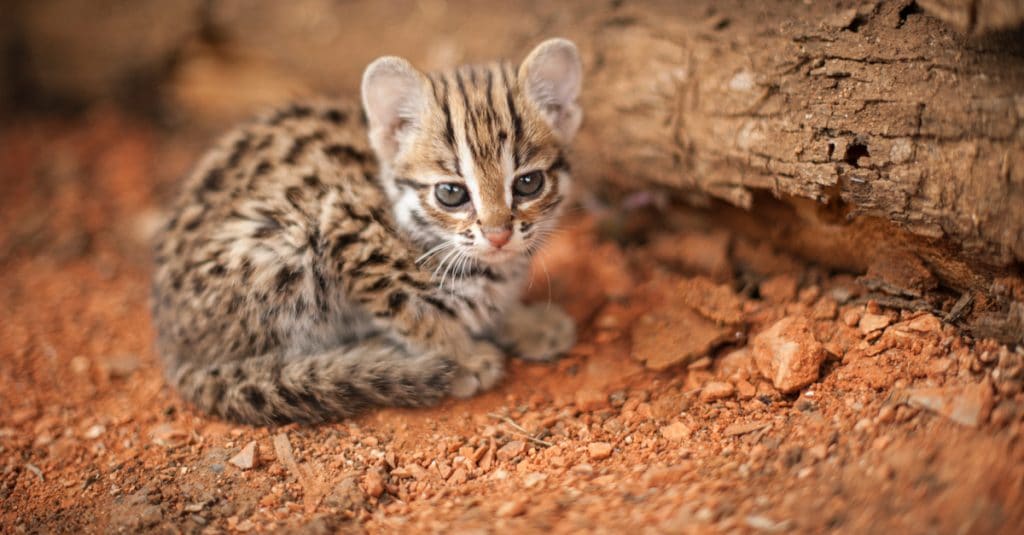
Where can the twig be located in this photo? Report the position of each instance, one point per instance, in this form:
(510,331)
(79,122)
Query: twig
(519,430)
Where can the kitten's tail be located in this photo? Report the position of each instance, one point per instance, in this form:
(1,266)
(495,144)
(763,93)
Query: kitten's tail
(324,387)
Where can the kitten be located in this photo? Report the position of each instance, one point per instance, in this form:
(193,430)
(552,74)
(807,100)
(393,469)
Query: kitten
(320,262)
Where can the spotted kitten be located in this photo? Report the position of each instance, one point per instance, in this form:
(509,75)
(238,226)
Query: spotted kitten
(319,263)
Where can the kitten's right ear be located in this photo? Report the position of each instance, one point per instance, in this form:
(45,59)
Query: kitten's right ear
(394,95)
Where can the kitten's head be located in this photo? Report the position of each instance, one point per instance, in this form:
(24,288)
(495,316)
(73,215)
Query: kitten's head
(474,158)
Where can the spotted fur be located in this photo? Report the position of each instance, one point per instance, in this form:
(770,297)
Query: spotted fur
(310,271)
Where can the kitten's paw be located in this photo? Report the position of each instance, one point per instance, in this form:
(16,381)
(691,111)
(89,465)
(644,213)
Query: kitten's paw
(478,371)
(539,332)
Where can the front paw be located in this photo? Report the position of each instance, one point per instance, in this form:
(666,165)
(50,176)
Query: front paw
(479,370)
(539,332)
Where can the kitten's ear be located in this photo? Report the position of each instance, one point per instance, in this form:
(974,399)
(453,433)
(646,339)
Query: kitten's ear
(394,97)
(551,76)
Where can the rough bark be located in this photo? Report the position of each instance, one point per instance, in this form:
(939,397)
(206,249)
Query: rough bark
(977,16)
(896,128)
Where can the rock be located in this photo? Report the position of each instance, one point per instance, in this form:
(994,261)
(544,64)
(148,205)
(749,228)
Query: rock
(373,483)
(246,458)
(599,450)
(511,450)
(851,318)
(94,432)
(716,390)
(969,405)
(676,431)
(873,322)
(512,508)
(788,354)
(671,335)
(925,323)
(745,390)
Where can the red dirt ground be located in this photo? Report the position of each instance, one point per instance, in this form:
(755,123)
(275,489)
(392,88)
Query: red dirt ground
(659,420)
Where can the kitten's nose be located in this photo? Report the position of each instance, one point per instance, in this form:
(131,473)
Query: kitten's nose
(498,237)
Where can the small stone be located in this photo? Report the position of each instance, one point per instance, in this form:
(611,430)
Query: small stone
(512,508)
(599,450)
(716,390)
(373,483)
(94,432)
(745,390)
(851,318)
(925,323)
(870,323)
(788,354)
(246,458)
(676,431)
(511,450)
(970,405)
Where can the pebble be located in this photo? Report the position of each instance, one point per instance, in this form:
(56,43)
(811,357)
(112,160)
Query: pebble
(599,450)
(512,508)
(969,405)
(246,458)
(676,431)
(870,323)
(511,450)
(373,483)
(716,390)
(94,432)
(851,318)
(745,390)
(788,354)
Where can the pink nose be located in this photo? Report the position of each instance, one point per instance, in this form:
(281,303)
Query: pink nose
(498,238)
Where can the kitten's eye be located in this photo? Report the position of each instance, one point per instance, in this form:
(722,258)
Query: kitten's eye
(451,195)
(528,184)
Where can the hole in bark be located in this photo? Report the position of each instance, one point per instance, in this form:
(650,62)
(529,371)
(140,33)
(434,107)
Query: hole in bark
(854,152)
(831,151)
(856,23)
(910,9)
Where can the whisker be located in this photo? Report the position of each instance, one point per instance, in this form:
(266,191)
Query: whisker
(434,250)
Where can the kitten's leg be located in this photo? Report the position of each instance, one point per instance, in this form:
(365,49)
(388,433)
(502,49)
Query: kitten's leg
(379,271)
(537,332)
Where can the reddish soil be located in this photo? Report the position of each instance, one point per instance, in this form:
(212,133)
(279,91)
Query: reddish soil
(660,419)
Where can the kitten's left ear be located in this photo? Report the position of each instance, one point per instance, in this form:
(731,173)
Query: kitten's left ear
(394,97)
(551,76)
